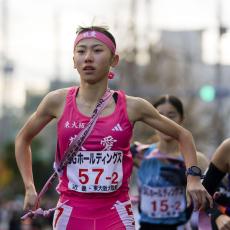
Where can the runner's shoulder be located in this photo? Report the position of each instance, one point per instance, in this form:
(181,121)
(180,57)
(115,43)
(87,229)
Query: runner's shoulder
(139,109)
(226,144)
(221,157)
(56,97)
(53,103)
(224,148)
(136,102)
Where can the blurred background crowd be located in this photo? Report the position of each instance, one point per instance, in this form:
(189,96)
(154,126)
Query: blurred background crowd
(178,47)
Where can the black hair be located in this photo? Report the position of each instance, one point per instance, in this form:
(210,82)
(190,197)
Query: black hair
(173,100)
(101,29)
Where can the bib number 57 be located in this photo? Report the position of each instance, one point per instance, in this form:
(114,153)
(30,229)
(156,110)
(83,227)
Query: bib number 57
(84,177)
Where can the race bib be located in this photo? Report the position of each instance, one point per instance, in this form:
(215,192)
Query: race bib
(95,171)
(163,202)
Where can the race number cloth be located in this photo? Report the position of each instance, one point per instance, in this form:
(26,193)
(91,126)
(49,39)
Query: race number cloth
(163,202)
(95,171)
(162,184)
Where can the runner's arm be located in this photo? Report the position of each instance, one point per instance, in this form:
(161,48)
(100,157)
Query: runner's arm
(141,110)
(38,120)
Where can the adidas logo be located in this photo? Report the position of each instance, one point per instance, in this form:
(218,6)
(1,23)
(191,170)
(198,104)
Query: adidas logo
(117,127)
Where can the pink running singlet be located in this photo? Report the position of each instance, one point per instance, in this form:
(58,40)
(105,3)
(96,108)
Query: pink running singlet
(95,183)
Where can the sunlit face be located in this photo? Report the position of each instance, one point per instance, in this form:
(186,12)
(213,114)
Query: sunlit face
(169,111)
(93,60)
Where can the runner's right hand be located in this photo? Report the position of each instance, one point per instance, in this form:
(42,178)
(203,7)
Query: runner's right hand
(30,199)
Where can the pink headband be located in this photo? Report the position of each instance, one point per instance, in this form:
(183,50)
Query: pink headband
(97,35)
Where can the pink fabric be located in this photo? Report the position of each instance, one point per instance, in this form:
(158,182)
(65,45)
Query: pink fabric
(204,221)
(115,125)
(103,216)
(97,35)
(95,211)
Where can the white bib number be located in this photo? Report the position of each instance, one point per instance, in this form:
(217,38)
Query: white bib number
(94,171)
(163,202)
